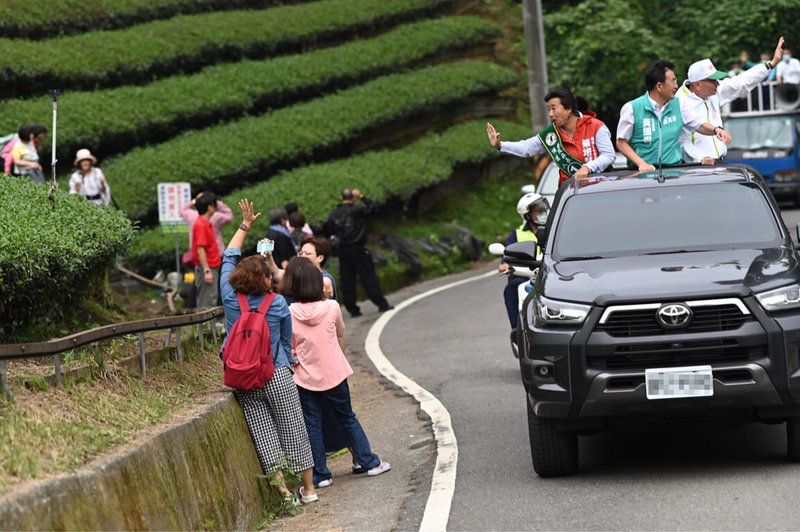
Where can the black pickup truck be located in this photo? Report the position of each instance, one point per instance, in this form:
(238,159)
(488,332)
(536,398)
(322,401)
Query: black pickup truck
(662,295)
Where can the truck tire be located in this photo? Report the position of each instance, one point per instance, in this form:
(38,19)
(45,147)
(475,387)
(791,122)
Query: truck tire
(554,452)
(793,439)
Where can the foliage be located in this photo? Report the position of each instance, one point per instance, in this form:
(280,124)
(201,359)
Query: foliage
(113,120)
(48,255)
(381,175)
(35,20)
(254,147)
(600,48)
(187,42)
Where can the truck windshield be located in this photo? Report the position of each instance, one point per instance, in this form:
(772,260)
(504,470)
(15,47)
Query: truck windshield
(665,219)
(760,132)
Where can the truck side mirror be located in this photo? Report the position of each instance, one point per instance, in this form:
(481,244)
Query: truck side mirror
(522,254)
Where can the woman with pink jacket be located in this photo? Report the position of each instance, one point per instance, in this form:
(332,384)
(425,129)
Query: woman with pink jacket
(322,369)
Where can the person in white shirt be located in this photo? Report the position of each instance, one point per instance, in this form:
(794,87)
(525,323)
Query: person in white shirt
(705,91)
(88,180)
(788,70)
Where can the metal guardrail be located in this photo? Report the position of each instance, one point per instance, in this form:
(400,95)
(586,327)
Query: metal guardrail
(58,345)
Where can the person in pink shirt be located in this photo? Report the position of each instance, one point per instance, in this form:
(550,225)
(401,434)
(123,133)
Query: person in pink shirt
(321,370)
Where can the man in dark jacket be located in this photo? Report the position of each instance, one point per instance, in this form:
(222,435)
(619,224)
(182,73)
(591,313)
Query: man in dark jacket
(348,222)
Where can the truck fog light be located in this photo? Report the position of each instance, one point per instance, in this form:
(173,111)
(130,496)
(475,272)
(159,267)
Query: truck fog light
(544,371)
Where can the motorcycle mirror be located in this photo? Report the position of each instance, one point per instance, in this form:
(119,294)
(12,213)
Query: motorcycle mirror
(496,248)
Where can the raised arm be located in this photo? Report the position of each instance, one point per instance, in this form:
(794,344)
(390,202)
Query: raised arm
(248,219)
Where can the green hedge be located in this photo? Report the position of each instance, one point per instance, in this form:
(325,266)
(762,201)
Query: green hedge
(112,120)
(187,42)
(381,175)
(254,147)
(47,255)
(48,18)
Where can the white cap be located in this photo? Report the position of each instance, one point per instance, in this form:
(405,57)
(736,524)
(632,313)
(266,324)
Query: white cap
(704,69)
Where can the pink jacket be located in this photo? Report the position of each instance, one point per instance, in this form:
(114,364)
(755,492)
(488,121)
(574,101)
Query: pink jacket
(8,159)
(316,327)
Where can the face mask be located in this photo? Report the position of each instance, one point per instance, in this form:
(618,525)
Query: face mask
(541,219)
(786,57)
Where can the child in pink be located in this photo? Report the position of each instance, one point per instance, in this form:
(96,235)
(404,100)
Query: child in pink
(322,369)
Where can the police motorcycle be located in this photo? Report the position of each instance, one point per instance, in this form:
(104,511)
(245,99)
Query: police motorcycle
(529,204)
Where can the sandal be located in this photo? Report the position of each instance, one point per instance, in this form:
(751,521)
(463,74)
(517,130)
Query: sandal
(307,499)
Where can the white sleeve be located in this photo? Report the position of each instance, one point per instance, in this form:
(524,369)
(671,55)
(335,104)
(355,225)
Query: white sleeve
(105,195)
(738,86)
(523,148)
(691,121)
(625,126)
(606,148)
(74,180)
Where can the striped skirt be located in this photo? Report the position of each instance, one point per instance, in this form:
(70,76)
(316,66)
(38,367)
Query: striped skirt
(275,419)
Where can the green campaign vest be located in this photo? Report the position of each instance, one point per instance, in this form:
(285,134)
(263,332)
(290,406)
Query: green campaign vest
(651,137)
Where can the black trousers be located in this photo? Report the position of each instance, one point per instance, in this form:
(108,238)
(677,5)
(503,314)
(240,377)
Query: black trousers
(356,261)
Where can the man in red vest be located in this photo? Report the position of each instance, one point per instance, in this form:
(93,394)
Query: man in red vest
(577,142)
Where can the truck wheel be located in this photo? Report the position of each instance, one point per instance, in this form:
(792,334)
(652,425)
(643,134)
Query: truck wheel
(793,438)
(554,452)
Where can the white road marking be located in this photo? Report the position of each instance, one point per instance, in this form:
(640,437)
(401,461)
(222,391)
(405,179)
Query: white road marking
(437,509)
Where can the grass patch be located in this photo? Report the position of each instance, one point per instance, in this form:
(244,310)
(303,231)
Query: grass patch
(46,430)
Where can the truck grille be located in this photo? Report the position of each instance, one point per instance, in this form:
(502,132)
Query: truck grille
(626,323)
(674,354)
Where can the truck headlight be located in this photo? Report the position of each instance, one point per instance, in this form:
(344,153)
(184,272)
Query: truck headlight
(549,311)
(785,176)
(787,297)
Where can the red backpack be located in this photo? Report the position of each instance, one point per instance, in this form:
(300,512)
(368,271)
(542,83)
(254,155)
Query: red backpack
(247,356)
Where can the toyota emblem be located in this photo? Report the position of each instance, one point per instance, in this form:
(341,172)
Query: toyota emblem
(674,316)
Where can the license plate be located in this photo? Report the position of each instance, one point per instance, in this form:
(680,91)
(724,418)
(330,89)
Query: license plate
(674,383)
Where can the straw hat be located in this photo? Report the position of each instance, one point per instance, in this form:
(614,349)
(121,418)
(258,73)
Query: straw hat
(84,154)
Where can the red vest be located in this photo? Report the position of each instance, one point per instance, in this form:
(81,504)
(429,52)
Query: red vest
(582,145)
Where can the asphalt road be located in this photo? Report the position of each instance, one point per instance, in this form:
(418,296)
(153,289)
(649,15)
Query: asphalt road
(455,344)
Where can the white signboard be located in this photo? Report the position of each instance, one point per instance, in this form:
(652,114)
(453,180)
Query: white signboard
(171,197)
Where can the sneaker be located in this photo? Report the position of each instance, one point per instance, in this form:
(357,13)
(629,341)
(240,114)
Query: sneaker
(307,499)
(383,467)
(357,469)
(384,309)
(324,483)
(355,313)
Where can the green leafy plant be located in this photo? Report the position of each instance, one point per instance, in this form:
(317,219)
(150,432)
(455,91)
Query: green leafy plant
(188,42)
(217,157)
(107,120)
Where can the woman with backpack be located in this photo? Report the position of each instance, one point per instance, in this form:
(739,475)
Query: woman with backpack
(321,369)
(273,412)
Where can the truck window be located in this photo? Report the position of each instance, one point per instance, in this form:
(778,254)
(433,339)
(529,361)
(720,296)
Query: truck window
(760,132)
(665,219)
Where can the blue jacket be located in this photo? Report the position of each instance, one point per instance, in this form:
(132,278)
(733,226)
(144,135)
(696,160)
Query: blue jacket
(278,316)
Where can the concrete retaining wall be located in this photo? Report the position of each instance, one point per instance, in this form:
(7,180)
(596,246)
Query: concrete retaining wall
(197,474)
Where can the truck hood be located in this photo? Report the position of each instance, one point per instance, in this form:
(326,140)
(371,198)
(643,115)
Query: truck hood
(688,275)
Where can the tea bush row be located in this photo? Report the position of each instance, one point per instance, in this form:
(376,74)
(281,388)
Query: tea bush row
(252,148)
(188,42)
(50,18)
(381,175)
(112,120)
(47,255)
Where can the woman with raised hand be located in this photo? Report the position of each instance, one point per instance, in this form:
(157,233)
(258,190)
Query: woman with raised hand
(321,369)
(273,412)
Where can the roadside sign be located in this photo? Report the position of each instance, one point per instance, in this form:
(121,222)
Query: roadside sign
(171,197)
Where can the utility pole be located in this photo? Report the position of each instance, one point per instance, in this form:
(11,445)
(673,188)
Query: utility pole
(537,62)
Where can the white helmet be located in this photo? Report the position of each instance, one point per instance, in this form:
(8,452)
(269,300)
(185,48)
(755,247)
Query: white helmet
(528,201)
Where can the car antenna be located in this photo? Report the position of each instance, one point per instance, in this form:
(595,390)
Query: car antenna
(660,170)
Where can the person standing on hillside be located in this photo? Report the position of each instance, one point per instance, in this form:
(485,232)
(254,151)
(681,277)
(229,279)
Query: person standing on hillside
(576,140)
(89,181)
(347,223)
(205,253)
(25,153)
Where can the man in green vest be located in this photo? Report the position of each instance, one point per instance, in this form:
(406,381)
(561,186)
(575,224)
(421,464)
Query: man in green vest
(650,126)
(534,209)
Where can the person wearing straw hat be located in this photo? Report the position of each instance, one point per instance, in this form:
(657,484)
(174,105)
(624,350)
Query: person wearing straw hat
(88,180)
(705,91)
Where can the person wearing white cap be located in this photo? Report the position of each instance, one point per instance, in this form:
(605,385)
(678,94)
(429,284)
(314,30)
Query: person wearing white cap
(650,126)
(705,91)
(89,181)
